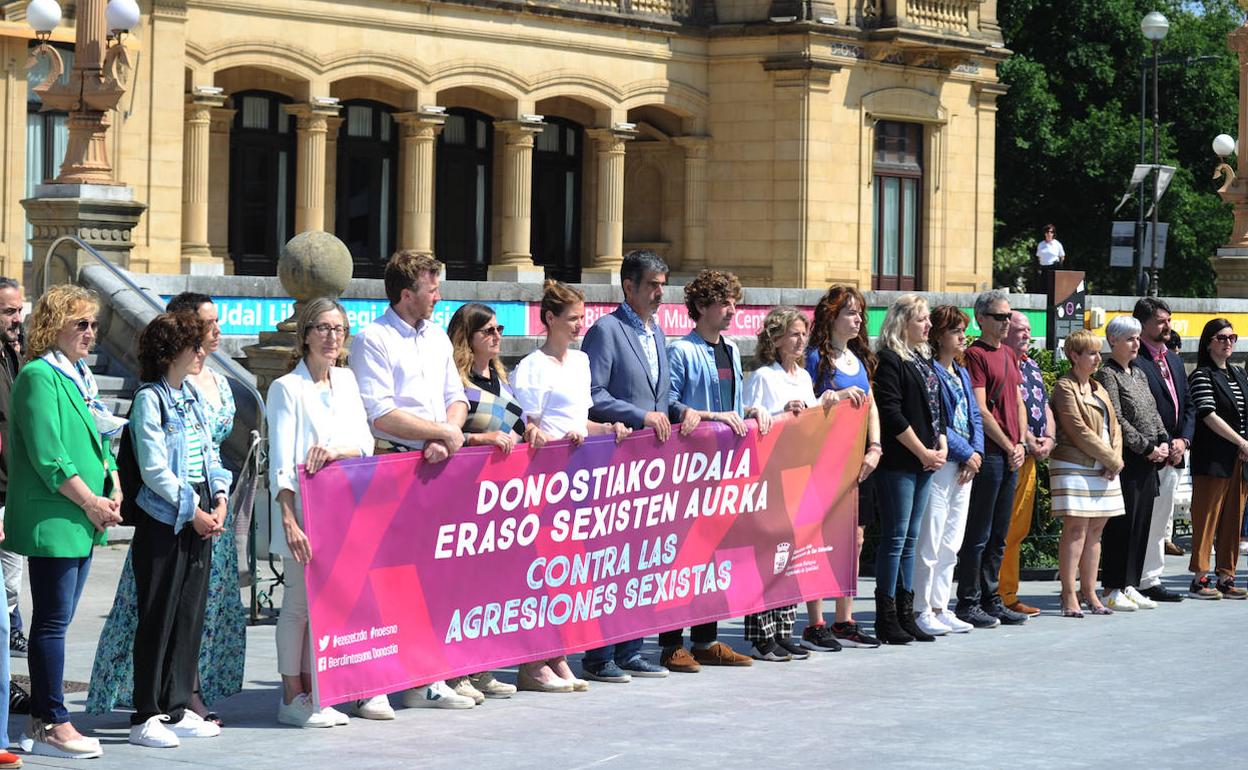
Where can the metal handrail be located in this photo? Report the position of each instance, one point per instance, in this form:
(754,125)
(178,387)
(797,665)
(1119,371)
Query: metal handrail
(258,440)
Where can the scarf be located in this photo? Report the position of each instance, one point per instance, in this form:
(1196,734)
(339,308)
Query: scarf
(108,424)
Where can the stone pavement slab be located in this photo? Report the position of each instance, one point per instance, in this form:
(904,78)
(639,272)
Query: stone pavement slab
(1161,688)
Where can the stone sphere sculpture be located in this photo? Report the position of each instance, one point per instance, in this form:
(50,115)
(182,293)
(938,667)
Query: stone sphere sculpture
(313,264)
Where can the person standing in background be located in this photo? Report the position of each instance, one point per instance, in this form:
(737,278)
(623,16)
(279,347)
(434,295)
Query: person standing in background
(1050,256)
(12,304)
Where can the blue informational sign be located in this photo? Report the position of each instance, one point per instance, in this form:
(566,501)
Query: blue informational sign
(248,316)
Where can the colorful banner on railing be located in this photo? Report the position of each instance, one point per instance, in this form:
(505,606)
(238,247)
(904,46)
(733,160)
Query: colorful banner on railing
(422,572)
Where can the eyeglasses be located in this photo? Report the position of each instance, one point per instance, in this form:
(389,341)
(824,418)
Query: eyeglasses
(84,324)
(492,331)
(1231,338)
(999,317)
(338,330)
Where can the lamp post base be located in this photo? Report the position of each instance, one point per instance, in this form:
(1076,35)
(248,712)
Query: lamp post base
(104,216)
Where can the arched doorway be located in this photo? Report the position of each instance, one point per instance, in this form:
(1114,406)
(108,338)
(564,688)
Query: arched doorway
(262,181)
(465,170)
(366,210)
(556,229)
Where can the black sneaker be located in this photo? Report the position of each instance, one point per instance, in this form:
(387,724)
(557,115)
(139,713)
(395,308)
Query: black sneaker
(1229,591)
(820,639)
(795,650)
(1006,615)
(850,635)
(767,649)
(976,616)
(19,699)
(1160,593)
(17,643)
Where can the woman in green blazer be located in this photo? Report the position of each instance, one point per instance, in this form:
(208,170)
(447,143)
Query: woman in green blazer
(63,494)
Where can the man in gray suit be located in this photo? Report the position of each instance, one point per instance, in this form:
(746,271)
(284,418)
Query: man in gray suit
(630,384)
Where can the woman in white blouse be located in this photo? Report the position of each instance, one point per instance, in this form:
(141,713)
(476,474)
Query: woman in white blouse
(552,385)
(315,416)
(781,384)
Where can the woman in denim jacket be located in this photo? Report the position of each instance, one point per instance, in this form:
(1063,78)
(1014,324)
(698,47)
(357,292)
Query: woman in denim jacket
(184,496)
(940,537)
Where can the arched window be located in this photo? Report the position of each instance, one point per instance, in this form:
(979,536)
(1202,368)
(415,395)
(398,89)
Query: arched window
(556,233)
(262,181)
(465,169)
(898,170)
(368,163)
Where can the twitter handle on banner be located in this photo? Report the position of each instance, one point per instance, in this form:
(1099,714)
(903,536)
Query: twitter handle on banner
(325,643)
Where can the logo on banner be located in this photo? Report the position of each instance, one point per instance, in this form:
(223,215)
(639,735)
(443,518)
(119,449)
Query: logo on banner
(322,643)
(782,558)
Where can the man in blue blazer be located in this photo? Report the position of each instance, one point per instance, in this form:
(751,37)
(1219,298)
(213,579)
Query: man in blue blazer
(1167,379)
(630,384)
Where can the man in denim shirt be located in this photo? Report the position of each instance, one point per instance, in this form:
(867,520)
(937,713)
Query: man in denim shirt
(706,377)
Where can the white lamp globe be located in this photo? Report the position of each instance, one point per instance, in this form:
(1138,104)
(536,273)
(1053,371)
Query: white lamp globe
(1223,145)
(43,15)
(1155,26)
(122,15)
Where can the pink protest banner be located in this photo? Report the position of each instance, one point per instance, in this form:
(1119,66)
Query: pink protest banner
(422,572)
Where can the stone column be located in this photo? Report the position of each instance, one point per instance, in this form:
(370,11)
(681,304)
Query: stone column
(222,121)
(313,127)
(418,135)
(331,173)
(1231,262)
(516,262)
(196,148)
(696,148)
(609,245)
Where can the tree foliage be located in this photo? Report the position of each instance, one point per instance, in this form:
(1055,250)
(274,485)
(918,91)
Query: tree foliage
(1068,131)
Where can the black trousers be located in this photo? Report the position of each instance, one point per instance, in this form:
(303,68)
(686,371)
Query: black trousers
(171,575)
(1125,539)
(703,634)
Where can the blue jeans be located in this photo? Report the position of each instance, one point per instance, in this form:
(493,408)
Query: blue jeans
(55,586)
(621,653)
(987,523)
(902,505)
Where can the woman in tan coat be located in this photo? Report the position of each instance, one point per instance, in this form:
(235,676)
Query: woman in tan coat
(1083,471)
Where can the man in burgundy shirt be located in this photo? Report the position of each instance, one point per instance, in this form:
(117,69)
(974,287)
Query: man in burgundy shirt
(996,380)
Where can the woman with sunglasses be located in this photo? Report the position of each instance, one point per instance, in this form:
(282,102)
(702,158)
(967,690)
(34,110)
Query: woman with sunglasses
(224,647)
(1219,451)
(63,493)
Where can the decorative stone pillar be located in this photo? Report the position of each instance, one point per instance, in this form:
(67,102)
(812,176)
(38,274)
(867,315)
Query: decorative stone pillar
(1231,262)
(313,126)
(418,135)
(222,121)
(696,148)
(516,262)
(332,125)
(610,241)
(197,259)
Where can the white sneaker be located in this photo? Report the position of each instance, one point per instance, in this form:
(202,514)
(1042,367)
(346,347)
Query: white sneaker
(1141,601)
(928,623)
(153,734)
(437,696)
(193,725)
(376,707)
(462,686)
(335,716)
(956,625)
(1118,601)
(491,687)
(301,713)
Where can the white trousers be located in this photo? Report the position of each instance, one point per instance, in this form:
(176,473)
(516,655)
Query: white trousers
(1159,527)
(294,652)
(940,538)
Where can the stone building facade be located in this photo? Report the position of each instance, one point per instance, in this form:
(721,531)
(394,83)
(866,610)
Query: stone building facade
(797,142)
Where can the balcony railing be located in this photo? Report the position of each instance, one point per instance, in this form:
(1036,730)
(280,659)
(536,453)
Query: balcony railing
(952,15)
(663,9)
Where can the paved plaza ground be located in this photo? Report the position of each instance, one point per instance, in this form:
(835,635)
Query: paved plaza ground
(1163,688)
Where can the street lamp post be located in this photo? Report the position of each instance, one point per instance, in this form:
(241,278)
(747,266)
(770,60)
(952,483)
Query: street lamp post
(94,87)
(1154,27)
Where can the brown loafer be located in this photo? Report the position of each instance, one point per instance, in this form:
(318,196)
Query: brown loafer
(679,660)
(1174,550)
(1026,609)
(720,654)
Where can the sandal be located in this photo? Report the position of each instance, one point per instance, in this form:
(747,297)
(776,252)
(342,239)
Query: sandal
(1072,613)
(212,716)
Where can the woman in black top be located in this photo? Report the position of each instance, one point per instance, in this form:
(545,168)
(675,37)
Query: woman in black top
(912,426)
(1219,449)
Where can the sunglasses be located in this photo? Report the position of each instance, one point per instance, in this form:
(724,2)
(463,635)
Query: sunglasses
(84,324)
(1231,338)
(492,331)
(1000,317)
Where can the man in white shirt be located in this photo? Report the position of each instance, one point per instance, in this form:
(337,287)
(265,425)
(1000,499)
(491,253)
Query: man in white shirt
(415,401)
